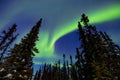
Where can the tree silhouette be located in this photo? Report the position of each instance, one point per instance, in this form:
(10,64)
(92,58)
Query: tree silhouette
(98,57)
(6,39)
(37,75)
(19,64)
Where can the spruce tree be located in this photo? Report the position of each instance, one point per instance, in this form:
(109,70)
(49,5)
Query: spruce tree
(19,63)
(37,75)
(6,40)
(98,57)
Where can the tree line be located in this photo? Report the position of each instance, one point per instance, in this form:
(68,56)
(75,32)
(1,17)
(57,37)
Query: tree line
(97,58)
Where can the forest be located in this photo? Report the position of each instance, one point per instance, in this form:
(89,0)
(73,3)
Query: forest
(97,58)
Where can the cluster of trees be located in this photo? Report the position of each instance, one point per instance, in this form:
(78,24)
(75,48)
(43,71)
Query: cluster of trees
(98,57)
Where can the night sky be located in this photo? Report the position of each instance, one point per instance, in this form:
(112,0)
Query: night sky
(58,33)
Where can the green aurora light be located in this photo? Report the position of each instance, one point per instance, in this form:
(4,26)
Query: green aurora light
(46,46)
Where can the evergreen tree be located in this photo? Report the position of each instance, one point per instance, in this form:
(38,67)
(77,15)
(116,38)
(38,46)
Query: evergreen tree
(64,74)
(19,64)
(98,57)
(6,39)
(37,75)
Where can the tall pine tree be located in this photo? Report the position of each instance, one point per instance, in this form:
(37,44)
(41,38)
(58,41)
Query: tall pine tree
(6,40)
(19,64)
(99,57)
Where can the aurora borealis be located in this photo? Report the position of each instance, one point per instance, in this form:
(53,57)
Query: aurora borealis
(60,19)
